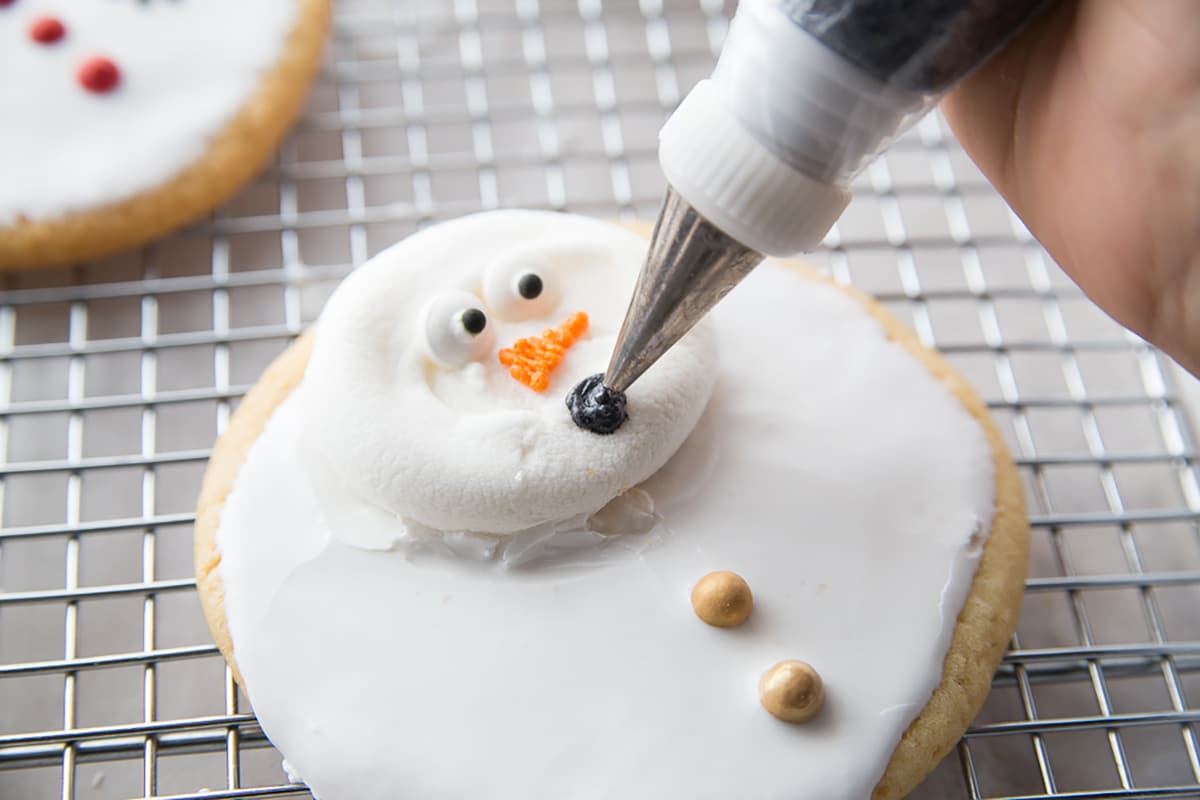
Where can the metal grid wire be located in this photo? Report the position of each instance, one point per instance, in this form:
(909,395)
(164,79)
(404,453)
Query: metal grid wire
(115,377)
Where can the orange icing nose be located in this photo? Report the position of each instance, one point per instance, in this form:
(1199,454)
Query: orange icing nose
(531,359)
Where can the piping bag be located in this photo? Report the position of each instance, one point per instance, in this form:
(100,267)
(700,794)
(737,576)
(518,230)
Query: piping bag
(759,157)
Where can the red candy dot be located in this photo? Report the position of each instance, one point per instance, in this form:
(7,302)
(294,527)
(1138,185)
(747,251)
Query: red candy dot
(6,3)
(98,74)
(46,30)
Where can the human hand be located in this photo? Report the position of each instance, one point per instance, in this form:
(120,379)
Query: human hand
(1089,125)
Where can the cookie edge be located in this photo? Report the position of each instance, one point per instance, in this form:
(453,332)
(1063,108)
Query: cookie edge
(982,631)
(234,157)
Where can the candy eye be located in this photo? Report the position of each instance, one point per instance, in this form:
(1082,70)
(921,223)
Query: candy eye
(530,285)
(520,286)
(473,321)
(456,329)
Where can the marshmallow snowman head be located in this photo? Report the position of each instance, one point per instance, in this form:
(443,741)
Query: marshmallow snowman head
(436,387)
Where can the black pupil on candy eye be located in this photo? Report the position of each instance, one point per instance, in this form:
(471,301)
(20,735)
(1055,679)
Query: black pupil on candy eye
(529,285)
(474,321)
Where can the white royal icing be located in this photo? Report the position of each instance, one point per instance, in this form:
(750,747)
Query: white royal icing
(186,66)
(435,430)
(830,469)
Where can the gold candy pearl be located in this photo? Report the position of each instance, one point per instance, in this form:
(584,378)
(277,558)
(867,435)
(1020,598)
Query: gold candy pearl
(722,599)
(792,691)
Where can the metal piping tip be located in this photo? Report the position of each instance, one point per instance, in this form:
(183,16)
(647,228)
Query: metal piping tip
(690,266)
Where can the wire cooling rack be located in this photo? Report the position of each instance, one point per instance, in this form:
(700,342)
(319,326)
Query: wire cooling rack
(115,377)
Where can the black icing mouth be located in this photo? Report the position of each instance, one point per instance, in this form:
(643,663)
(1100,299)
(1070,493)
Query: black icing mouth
(595,407)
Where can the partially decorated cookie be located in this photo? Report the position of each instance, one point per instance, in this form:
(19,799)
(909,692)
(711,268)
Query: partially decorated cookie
(124,119)
(789,572)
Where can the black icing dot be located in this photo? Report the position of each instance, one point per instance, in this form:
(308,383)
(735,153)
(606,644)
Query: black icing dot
(529,285)
(474,321)
(595,407)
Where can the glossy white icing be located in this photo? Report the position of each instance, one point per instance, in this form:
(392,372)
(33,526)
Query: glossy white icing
(186,66)
(419,418)
(829,469)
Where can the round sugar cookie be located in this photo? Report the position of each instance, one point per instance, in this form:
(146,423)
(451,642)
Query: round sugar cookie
(130,118)
(847,473)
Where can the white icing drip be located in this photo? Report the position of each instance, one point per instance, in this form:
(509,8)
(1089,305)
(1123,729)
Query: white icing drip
(290,773)
(187,67)
(468,448)
(569,542)
(830,469)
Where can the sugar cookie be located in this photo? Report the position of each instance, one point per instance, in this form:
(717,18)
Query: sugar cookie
(131,118)
(393,643)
